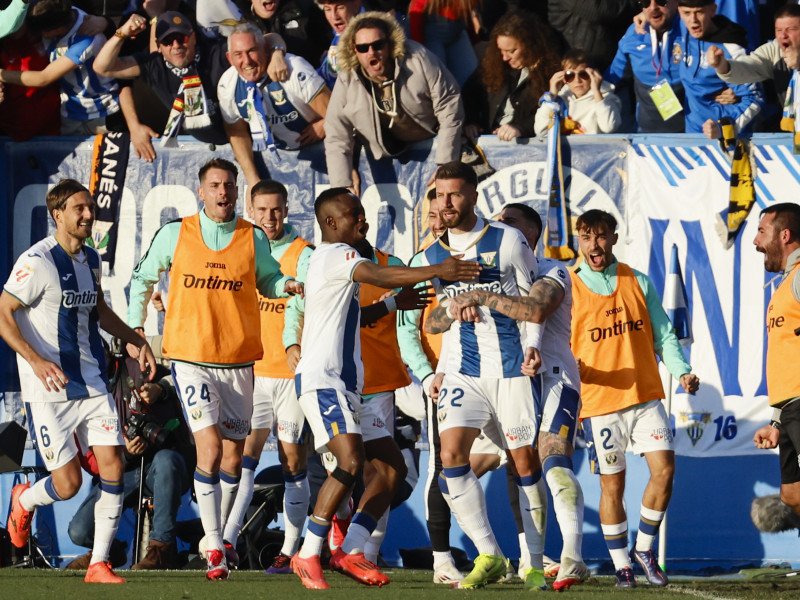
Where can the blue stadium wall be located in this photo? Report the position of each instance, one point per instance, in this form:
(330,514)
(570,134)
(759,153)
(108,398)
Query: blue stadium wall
(663,190)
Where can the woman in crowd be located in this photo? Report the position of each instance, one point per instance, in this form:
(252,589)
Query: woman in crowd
(501,97)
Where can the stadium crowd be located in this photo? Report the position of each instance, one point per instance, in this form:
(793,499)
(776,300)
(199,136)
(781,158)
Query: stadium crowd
(321,344)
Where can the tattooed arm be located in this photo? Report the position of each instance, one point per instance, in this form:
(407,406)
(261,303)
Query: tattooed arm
(440,318)
(545,296)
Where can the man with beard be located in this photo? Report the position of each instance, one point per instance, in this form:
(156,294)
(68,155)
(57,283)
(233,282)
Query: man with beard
(329,379)
(779,239)
(51,309)
(483,387)
(390,92)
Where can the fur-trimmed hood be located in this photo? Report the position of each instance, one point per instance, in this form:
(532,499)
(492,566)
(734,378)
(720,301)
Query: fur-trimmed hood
(345,52)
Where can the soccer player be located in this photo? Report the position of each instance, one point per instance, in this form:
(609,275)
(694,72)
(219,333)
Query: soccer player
(217,263)
(330,373)
(274,396)
(779,239)
(50,310)
(482,366)
(618,326)
(551,299)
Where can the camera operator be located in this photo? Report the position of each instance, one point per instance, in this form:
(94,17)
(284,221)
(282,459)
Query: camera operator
(156,437)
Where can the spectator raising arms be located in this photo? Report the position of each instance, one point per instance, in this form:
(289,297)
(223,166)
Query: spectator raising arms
(502,96)
(591,102)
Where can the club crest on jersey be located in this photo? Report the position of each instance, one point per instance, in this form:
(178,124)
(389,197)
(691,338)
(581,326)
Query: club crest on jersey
(611,459)
(196,414)
(49,456)
(278,97)
(695,424)
(441,415)
(489,258)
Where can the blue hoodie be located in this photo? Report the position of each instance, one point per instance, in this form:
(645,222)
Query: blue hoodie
(701,82)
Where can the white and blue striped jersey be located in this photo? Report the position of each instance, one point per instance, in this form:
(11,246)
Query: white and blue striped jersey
(493,346)
(59,319)
(331,342)
(556,351)
(85,95)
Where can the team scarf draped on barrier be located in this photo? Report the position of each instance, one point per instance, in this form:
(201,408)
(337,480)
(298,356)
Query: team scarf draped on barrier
(742,192)
(557,225)
(109,166)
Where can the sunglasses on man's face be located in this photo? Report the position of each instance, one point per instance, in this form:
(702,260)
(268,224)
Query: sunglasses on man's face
(569,76)
(645,4)
(377,46)
(181,38)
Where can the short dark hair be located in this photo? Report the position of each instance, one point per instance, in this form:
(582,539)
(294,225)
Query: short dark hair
(327,196)
(530,215)
(695,3)
(787,216)
(373,23)
(217,163)
(61,192)
(457,170)
(589,220)
(47,15)
(269,186)
(790,9)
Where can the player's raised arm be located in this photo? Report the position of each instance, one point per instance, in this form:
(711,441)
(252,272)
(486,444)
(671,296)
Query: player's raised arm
(451,269)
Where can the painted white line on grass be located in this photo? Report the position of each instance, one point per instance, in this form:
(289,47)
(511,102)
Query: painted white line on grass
(699,594)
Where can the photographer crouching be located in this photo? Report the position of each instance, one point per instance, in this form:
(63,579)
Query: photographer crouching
(157,441)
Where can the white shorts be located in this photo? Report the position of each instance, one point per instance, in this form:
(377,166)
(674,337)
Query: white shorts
(504,408)
(377,416)
(483,445)
(275,407)
(329,413)
(561,405)
(94,420)
(645,427)
(216,396)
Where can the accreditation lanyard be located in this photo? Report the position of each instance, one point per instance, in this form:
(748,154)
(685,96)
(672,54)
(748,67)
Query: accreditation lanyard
(654,46)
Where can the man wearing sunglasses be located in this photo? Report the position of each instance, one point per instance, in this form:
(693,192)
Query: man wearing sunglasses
(655,64)
(390,92)
(181,74)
